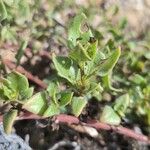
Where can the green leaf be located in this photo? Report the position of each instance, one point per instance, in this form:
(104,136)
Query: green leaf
(109,63)
(37,104)
(18,81)
(52,91)
(65,98)
(9,93)
(74,30)
(52,88)
(78,31)
(15,87)
(94,90)
(107,83)
(77,105)
(92,49)
(3,11)
(109,116)
(8,120)
(21,51)
(95,86)
(92,67)
(79,54)
(137,79)
(86,53)
(66,68)
(2,96)
(121,104)
(26,94)
(52,110)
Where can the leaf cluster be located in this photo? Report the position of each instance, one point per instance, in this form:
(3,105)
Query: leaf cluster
(80,72)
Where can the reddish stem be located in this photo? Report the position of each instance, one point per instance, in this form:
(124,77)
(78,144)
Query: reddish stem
(103,126)
(68,119)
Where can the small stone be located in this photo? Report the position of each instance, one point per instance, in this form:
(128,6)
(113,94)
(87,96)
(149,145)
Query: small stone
(11,141)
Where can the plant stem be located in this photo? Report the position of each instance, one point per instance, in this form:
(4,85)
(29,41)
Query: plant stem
(68,119)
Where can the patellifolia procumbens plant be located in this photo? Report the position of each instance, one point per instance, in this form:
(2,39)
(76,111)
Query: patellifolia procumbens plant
(81,73)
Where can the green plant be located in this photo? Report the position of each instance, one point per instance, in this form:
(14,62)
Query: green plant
(134,77)
(16,20)
(81,73)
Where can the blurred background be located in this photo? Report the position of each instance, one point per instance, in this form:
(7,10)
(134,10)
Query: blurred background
(44,26)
